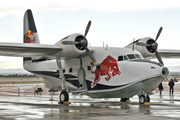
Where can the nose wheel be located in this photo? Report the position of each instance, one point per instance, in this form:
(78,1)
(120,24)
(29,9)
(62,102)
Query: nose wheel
(64,97)
(144,98)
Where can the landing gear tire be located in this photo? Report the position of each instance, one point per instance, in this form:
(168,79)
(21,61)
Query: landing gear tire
(64,96)
(124,99)
(142,99)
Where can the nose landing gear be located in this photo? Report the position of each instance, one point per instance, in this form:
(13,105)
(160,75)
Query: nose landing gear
(144,98)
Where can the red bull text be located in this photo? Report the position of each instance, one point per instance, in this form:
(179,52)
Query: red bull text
(28,38)
(108,68)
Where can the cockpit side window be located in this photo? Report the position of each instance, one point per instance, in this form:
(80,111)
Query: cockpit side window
(138,56)
(131,56)
(125,57)
(120,58)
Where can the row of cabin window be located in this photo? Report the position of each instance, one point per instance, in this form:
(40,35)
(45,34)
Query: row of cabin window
(71,70)
(120,58)
(130,56)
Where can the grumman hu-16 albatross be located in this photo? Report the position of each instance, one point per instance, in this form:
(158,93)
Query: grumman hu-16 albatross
(99,72)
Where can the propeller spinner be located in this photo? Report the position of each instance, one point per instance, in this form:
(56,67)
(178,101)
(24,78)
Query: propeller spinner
(82,43)
(153,46)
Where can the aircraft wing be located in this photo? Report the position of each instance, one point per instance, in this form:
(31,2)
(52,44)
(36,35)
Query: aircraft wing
(28,50)
(165,53)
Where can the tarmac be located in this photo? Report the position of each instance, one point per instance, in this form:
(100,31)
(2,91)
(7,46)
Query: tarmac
(165,107)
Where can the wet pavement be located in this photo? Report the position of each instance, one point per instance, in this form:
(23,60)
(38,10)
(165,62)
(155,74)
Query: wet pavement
(163,107)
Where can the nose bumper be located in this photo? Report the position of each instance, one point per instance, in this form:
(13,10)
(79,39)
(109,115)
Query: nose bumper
(164,71)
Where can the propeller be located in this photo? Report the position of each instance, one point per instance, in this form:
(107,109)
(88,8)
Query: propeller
(142,44)
(133,44)
(69,42)
(153,45)
(83,43)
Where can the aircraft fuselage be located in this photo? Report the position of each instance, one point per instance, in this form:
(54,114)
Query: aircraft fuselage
(119,73)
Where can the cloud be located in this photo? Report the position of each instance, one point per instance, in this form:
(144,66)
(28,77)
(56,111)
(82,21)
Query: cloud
(8,62)
(174,68)
(19,6)
(13,71)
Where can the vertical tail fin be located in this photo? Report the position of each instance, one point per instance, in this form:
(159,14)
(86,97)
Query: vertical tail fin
(30,34)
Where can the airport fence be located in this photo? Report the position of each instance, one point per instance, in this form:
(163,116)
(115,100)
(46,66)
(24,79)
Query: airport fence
(27,90)
(24,90)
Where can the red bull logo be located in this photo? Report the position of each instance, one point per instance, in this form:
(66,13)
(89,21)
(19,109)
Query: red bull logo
(28,38)
(108,68)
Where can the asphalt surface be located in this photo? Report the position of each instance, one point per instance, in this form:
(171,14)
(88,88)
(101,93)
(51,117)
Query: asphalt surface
(165,107)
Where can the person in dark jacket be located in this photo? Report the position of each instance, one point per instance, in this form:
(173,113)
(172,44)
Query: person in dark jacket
(171,87)
(160,88)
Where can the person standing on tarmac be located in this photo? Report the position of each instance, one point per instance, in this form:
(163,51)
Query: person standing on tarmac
(160,88)
(171,87)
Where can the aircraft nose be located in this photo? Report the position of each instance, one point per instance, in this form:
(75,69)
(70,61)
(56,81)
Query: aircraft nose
(165,71)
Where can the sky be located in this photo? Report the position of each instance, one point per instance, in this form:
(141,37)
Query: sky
(114,22)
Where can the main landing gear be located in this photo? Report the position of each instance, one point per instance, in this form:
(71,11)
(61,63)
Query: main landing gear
(64,97)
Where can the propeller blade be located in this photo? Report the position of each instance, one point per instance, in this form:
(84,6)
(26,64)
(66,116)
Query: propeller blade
(90,55)
(69,42)
(158,34)
(87,28)
(142,44)
(133,44)
(159,58)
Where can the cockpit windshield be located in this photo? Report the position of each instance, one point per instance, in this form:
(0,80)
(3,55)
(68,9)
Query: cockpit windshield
(129,57)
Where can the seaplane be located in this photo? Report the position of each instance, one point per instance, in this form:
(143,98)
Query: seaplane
(71,66)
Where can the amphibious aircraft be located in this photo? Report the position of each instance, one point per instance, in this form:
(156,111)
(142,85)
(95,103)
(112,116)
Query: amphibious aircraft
(99,72)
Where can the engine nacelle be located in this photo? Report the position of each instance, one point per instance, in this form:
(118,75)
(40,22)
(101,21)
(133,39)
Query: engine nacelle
(146,51)
(72,50)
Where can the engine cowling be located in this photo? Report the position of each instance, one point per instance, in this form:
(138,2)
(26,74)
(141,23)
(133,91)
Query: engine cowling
(146,51)
(72,50)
